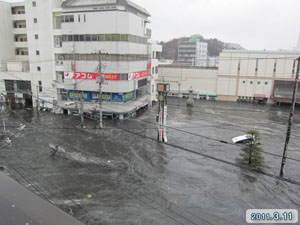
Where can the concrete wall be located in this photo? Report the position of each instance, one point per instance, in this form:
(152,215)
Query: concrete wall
(44,44)
(202,80)
(244,74)
(6,31)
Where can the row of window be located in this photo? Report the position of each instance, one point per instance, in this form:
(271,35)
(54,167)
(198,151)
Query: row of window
(71,19)
(274,68)
(258,82)
(67,19)
(104,37)
(94,57)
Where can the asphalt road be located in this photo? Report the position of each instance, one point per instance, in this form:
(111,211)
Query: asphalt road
(117,176)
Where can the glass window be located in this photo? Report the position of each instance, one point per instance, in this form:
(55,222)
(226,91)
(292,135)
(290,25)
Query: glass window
(37,52)
(258,82)
(76,37)
(101,37)
(124,37)
(82,57)
(35,20)
(266,83)
(76,57)
(33,4)
(71,18)
(113,57)
(107,37)
(79,18)
(64,38)
(40,86)
(70,37)
(81,38)
(62,19)
(88,37)
(89,57)
(36,36)
(115,37)
(67,19)
(38,68)
(94,37)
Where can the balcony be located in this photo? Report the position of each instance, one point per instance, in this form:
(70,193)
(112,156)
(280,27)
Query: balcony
(19,31)
(18,66)
(17,17)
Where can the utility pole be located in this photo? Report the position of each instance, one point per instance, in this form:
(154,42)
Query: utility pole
(81,110)
(178,93)
(288,134)
(37,102)
(163,89)
(100,80)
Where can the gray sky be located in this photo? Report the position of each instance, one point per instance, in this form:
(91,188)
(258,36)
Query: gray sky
(255,24)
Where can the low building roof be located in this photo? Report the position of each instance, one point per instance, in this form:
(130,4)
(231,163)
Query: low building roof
(82,3)
(262,52)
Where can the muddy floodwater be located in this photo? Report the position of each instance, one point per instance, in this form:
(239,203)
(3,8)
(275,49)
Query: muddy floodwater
(118,176)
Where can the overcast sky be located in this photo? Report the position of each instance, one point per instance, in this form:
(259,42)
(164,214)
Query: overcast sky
(255,24)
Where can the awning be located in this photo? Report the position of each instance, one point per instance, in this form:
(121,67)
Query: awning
(259,96)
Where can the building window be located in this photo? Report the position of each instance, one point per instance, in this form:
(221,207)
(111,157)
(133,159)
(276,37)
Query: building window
(67,19)
(38,68)
(76,37)
(244,82)
(35,20)
(258,82)
(94,37)
(256,66)
(115,37)
(251,82)
(37,52)
(88,37)
(36,36)
(84,18)
(156,70)
(266,83)
(33,4)
(40,86)
(81,38)
(275,65)
(78,18)
(152,70)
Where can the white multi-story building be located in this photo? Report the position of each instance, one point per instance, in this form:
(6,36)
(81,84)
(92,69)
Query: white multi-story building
(192,53)
(117,29)
(256,75)
(57,39)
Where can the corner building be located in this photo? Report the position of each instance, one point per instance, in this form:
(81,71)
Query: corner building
(117,28)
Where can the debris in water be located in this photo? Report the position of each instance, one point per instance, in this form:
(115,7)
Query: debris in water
(89,196)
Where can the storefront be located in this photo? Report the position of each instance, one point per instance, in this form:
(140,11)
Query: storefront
(107,97)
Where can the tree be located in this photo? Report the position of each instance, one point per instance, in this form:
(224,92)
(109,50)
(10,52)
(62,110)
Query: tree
(252,151)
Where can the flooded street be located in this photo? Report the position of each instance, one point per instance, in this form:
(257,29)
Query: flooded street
(118,176)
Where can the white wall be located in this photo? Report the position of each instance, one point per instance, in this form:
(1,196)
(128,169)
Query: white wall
(202,80)
(44,44)
(6,33)
(252,82)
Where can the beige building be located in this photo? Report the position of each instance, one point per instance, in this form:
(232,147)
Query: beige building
(202,80)
(251,75)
